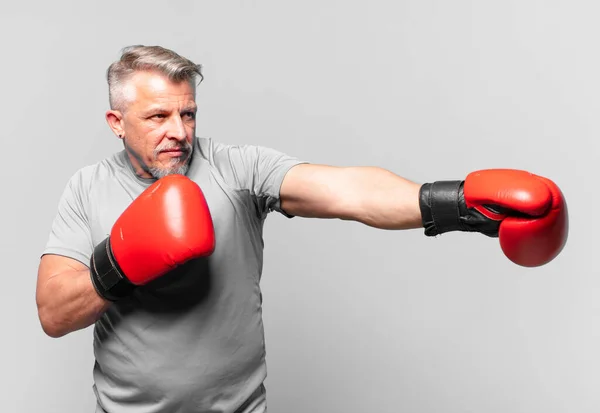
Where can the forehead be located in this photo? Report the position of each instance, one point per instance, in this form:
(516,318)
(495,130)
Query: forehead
(153,87)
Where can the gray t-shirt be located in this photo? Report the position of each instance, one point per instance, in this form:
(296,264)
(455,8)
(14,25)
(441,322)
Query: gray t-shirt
(191,341)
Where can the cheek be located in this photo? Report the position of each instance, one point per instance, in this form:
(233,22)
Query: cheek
(153,137)
(145,141)
(189,132)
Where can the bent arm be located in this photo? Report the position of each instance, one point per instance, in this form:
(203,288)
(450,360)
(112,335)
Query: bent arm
(65,297)
(371,195)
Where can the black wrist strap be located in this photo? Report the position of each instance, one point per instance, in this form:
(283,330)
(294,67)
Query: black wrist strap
(107,277)
(439,204)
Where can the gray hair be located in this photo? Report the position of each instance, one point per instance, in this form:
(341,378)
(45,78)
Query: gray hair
(140,58)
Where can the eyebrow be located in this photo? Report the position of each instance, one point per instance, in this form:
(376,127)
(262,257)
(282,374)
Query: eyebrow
(162,109)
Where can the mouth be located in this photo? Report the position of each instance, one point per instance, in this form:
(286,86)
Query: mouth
(174,152)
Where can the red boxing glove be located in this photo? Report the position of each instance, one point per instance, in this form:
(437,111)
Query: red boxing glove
(526,212)
(531,210)
(166,226)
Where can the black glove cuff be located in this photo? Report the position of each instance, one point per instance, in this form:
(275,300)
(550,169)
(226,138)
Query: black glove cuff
(439,204)
(107,277)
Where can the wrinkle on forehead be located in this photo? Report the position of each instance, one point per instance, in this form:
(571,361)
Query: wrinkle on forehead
(151,88)
(160,86)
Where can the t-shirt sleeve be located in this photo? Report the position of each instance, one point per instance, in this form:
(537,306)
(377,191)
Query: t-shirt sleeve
(70,233)
(258,170)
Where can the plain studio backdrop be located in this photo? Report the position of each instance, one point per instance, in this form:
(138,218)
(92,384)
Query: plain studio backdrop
(357,319)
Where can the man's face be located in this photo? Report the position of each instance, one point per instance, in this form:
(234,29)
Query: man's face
(159,124)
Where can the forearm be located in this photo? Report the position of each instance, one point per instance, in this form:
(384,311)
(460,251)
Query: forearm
(69,302)
(381,199)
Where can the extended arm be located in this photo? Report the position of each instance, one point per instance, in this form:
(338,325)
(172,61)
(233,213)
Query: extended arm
(371,195)
(526,212)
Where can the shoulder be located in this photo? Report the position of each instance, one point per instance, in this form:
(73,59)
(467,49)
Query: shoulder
(214,151)
(82,180)
(237,156)
(225,159)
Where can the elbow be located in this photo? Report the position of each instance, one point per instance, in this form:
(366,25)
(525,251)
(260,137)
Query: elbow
(49,325)
(52,330)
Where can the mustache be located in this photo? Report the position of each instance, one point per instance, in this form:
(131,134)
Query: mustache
(184,147)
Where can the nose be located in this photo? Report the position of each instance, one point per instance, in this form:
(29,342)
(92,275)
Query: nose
(176,129)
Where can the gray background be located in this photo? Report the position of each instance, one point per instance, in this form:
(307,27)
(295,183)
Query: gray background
(357,319)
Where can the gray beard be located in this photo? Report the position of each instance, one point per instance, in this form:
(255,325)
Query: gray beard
(171,170)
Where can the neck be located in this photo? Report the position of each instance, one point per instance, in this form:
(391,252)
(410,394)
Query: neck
(139,167)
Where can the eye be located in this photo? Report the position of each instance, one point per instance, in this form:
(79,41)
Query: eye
(189,115)
(159,116)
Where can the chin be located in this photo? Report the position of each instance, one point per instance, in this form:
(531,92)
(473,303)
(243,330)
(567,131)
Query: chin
(160,172)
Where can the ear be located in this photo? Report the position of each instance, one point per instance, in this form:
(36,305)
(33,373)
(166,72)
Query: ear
(114,118)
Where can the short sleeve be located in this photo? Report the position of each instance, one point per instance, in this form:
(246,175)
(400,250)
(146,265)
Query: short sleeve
(70,233)
(257,169)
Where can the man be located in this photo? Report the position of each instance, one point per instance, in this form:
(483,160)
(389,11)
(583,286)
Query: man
(159,246)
